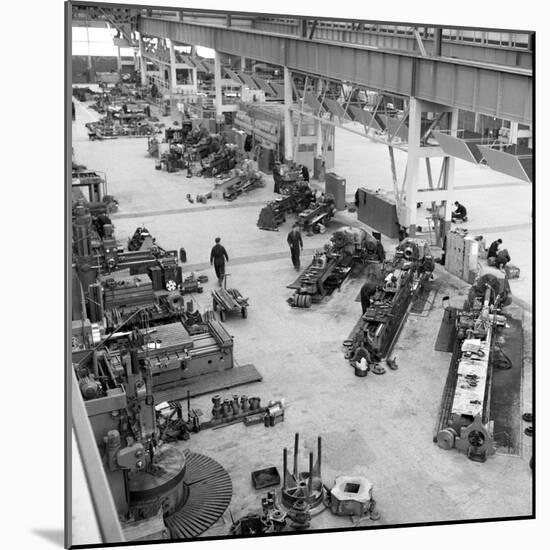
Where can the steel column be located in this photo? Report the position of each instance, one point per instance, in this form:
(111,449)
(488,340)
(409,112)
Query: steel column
(289,129)
(118,61)
(319,124)
(173,78)
(449,176)
(408,217)
(142,62)
(218,82)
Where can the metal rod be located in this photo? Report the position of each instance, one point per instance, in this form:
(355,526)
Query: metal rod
(285,459)
(319,455)
(296,442)
(310,477)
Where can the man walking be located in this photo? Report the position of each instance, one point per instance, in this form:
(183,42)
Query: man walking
(218,257)
(294,240)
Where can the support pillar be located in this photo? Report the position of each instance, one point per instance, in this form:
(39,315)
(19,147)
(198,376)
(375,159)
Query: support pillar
(118,62)
(408,216)
(218,82)
(319,126)
(449,178)
(289,127)
(514,126)
(243,64)
(142,62)
(173,78)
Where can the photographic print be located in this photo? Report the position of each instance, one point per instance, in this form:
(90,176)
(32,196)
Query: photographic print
(299,273)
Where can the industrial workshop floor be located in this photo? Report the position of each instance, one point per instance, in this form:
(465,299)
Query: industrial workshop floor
(380,426)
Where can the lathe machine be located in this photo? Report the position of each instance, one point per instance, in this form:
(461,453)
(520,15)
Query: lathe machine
(464,421)
(330,266)
(398,283)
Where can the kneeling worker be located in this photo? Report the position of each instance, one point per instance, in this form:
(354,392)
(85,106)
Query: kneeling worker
(493,249)
(460,212)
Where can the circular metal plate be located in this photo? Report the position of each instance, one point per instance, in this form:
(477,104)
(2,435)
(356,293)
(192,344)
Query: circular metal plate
(446,439)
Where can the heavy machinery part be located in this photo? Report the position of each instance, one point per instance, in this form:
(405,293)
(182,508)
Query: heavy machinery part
(302,487)
(301,300)
(446,438)
(171,285)
(175,301)
(352,496)
(162,485)
(476,440)
(209,492)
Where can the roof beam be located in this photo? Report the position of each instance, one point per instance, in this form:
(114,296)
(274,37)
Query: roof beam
(502,92)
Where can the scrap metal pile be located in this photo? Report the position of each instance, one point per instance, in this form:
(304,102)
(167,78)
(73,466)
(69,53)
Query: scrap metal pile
(330,266)
(464,421)
(397,285)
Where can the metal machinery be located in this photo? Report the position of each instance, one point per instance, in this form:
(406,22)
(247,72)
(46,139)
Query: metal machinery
(229,300)
(274,213)
(330,266)
(159,490)
(464,419)
(125,115)
(303,493)
(91,187)
(315,218)
(245,179)
(290,178)
(399,282)
(220,162)
(105,254)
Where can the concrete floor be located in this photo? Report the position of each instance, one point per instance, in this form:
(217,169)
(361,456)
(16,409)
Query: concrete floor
(379,426)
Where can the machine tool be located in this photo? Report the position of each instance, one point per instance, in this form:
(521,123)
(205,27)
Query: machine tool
(242,182)
(220,162)
(160,491)
(274,213)
(464,421)
(315,218)
(399,282)
(90,188)
(330,266)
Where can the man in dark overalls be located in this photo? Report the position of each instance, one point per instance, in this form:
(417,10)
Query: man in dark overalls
(294,240)
(218,257)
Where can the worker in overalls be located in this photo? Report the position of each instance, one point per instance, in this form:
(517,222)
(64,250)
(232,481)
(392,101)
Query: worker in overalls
(218,257)
(295,243)
(368,290)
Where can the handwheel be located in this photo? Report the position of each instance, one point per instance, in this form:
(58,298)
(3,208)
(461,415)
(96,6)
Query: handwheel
(223,315)
(244,312)
(171,285)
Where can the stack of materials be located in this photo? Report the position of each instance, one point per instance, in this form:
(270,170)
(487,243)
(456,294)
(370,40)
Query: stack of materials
(462,255)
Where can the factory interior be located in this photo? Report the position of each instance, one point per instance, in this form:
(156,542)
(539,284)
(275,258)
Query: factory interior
(300,274)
